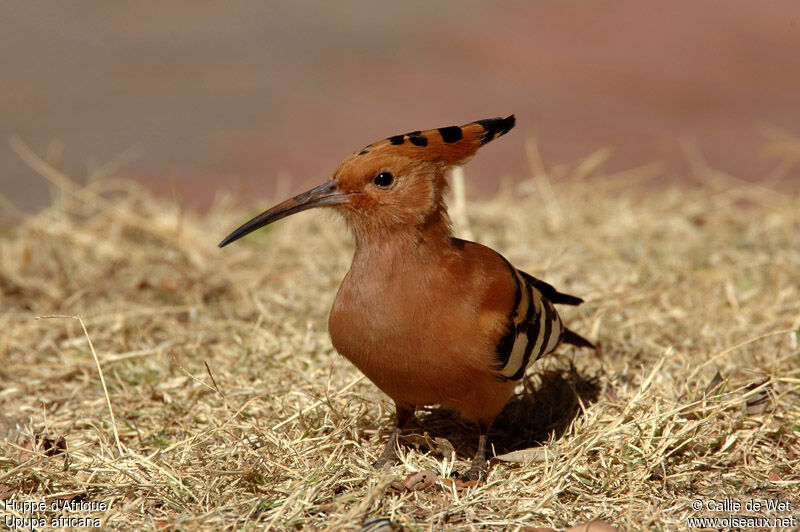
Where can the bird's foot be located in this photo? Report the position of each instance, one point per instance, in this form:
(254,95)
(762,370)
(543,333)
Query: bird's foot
(388,456)
(380,462)
(477,471)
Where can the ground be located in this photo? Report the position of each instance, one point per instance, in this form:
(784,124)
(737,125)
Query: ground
(204,391)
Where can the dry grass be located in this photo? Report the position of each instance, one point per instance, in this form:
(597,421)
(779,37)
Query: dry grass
(233,411)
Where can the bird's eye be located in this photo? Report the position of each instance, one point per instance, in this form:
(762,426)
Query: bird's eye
(384,179)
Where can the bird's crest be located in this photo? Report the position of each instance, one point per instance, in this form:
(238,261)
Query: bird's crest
(453,145)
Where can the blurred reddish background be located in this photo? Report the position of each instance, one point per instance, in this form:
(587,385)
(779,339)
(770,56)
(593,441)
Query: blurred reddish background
(229,96)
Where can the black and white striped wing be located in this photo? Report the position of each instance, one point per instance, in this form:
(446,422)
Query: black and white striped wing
(534,329)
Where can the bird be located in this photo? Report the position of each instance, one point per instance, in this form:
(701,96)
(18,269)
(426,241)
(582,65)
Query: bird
(429,318)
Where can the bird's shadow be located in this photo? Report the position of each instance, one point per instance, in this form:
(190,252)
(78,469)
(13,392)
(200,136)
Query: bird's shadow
(543,411)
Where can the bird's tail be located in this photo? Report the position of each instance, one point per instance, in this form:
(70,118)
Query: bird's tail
(571,337)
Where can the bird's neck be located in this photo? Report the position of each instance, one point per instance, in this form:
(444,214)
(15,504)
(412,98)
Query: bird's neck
(405,244)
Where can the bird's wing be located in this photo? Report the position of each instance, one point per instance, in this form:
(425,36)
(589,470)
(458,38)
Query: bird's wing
(549,291)
(559,298)
(524,323)
(534,327)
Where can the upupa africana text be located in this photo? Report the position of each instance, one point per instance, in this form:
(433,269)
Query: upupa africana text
(429,318)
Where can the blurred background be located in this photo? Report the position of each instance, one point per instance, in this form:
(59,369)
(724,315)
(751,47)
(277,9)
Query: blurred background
(197,96)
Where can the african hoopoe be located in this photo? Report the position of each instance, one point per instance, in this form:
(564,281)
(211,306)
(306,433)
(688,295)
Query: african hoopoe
(427,317)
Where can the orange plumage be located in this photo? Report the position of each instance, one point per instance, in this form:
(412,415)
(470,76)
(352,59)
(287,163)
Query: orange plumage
(430,319)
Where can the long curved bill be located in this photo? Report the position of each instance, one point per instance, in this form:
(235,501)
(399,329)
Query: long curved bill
(325,194)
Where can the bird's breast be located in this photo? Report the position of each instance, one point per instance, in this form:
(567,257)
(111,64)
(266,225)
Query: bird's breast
(415,333)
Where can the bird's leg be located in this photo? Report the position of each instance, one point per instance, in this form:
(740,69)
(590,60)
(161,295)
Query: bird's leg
(479,464)
(404,415)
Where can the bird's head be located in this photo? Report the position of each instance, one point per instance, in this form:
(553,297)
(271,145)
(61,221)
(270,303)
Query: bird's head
(393,185)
